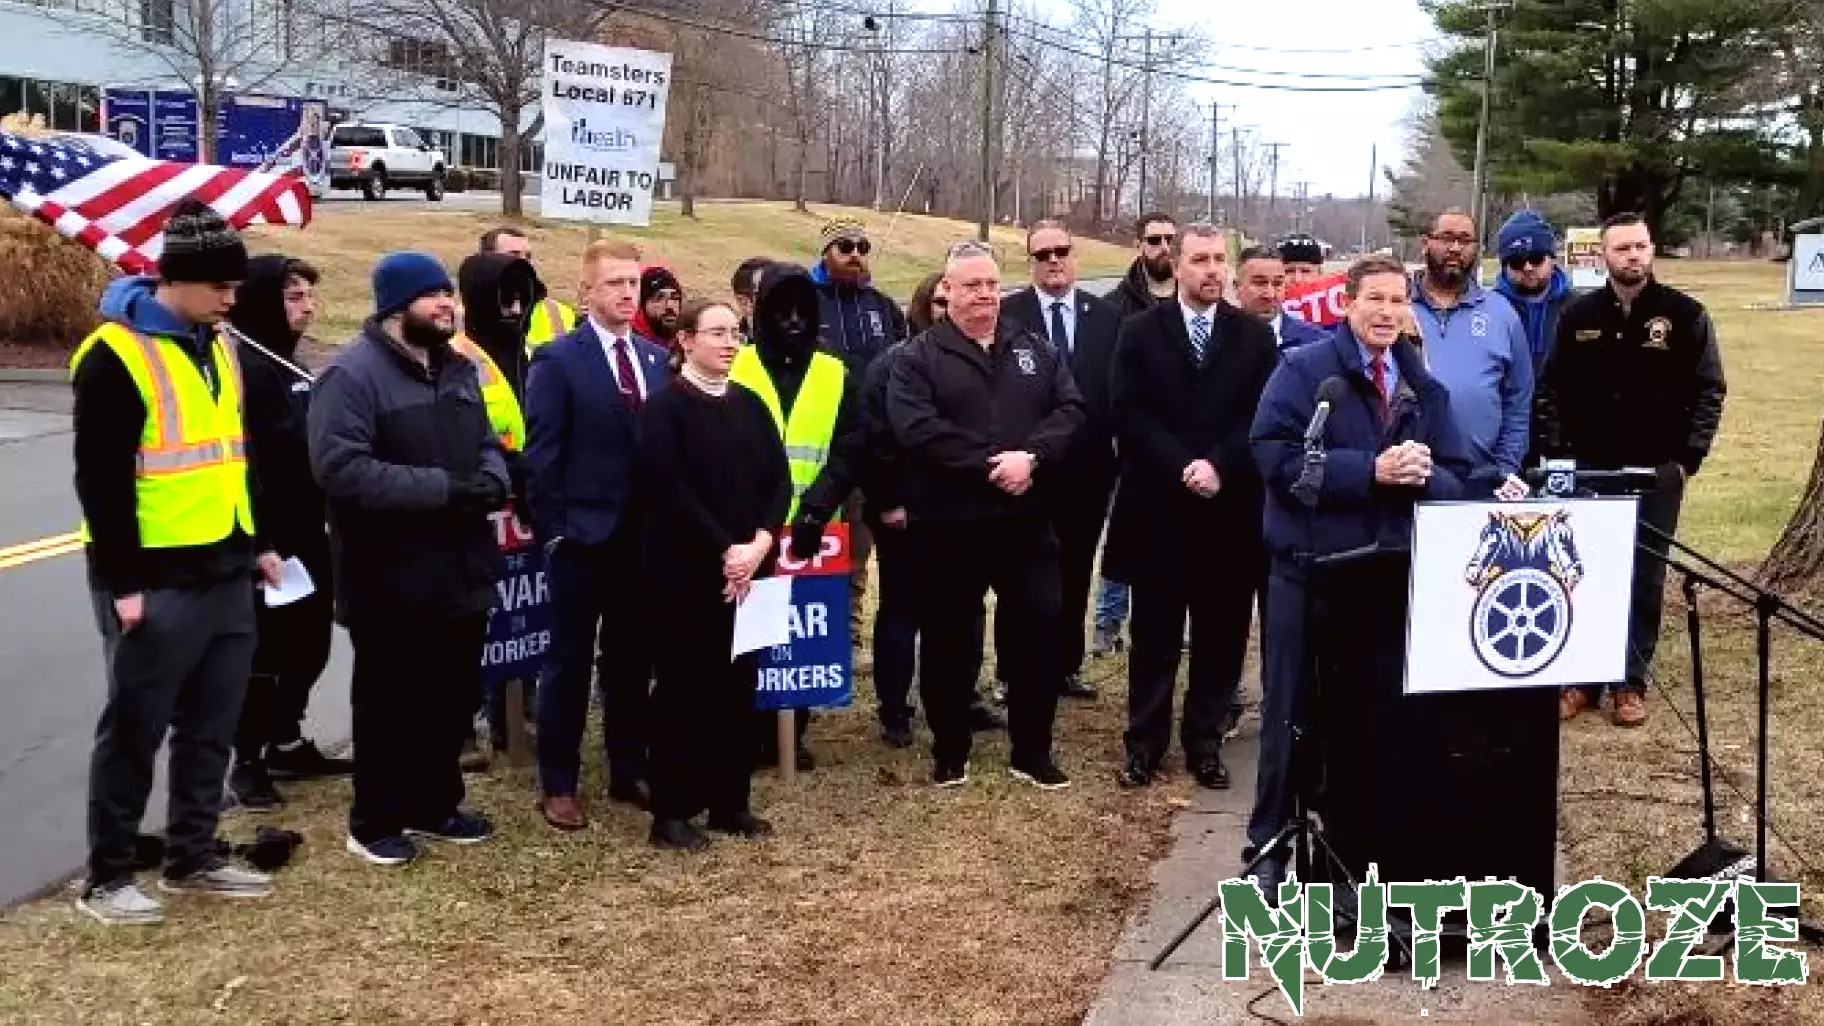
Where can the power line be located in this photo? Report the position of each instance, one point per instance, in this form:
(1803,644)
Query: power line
(1185,76)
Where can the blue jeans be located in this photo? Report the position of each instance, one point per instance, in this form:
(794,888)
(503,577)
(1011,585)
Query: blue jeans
(1112,600)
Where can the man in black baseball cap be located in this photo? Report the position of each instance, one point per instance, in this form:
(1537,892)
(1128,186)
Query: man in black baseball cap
(1303,257)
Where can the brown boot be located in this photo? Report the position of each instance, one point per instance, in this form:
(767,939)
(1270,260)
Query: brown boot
(1572,701)
(563,811)
(1630,709)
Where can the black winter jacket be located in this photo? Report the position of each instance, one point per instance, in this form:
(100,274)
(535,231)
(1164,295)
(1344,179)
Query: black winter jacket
(1132,295)
(275,403)
(953,404)
(387,439)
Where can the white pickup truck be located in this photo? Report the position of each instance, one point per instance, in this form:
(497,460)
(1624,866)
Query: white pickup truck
(376,157)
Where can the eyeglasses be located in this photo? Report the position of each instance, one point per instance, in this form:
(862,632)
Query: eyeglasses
(847,246)
(1160,240)
(1454,241)
(1046,256)
(1522,261)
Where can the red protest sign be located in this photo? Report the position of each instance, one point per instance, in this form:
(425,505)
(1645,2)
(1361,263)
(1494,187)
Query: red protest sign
(832,556)
(1318,301)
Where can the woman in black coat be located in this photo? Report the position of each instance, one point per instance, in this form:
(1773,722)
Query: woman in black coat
(715,489)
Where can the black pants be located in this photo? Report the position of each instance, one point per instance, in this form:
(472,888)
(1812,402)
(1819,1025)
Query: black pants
(702,713)
(416,682)
(1647,596)
(1284,680)
(1077,519)
(599,631)
(896,637)
(292,651)
(1017,557)
(1221,609)
(182,670)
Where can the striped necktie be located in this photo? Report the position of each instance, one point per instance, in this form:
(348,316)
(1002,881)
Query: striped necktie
(1200,337)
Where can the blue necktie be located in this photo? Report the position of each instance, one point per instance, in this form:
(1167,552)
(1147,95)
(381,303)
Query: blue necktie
(1200,338)
(1060,336)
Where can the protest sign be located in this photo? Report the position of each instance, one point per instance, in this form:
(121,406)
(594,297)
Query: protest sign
(1318,301)
(604,120)
(813,669)
(519,622)
(1583,258)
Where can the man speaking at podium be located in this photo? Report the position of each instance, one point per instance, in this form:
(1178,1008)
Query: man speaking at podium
(1386,440)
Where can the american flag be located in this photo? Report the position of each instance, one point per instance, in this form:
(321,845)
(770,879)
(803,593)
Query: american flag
(117,205)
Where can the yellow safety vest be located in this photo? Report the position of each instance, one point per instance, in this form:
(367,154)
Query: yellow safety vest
(551,320)
(496,394)
(191,472)
(811,425)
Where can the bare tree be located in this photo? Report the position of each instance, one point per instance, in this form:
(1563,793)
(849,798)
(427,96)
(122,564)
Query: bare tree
(215,47)
(477,53)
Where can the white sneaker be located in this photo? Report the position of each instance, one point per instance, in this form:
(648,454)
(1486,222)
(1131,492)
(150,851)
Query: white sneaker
(122,904)
(223,880)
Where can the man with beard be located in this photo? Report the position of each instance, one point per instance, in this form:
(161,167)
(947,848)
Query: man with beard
(1149,279)
(1260,288)
(1186,526)
(1476,346)
(1532,280)
(1634,380)
(661,302)
(273,308)
(815,405)
(401,445)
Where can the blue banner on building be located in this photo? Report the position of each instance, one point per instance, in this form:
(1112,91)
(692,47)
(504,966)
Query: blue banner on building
(252,131)
(519,623)
(814,670)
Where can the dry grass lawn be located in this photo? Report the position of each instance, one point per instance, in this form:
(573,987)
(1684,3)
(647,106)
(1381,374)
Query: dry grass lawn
(345,237)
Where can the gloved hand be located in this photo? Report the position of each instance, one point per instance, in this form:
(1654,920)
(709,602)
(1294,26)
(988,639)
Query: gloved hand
(477,493)
(1671,476)
(807,539)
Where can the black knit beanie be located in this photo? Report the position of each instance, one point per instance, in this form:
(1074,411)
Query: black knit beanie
(199,246)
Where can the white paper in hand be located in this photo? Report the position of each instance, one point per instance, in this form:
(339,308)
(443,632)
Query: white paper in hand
(763,619)
(294,584)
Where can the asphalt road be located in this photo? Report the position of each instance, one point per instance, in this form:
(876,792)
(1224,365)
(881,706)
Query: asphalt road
(51,680)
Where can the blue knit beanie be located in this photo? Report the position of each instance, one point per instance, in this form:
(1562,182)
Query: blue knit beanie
(1525,234)
(400,278)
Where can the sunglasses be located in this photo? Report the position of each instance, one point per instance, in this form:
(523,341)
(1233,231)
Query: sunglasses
(1159,240)
(847,246)
(1525,260)
(940,304)
(1046,256)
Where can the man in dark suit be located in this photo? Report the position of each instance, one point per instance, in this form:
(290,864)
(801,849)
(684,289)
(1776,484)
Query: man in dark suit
(1260,291)
(583,396)
(1186,527)
(1082,328)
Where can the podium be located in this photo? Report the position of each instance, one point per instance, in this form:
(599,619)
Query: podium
(1425,786)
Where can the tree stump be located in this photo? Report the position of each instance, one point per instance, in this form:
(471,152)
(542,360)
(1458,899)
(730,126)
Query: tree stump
(1797,559)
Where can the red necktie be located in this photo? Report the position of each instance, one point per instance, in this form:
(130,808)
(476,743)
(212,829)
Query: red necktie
(1377,372)
(623,371)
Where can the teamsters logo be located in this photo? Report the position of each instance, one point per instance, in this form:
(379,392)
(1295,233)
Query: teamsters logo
(1524,569)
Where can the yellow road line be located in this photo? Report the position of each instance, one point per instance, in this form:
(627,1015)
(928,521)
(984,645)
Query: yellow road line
(33,551)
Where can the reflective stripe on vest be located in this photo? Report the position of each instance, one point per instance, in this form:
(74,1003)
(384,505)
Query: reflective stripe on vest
(550,320)
(191,467)
(504,414)
(812,422)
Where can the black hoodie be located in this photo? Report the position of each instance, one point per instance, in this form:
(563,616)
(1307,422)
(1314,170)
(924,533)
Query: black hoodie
(785,351)
(487,281)
(287,504)
(1133,295)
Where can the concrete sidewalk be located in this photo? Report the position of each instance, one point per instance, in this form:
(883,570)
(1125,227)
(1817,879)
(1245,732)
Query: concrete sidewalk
(1190,991)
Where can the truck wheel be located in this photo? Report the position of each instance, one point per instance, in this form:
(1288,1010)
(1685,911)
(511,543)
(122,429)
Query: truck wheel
(374,185)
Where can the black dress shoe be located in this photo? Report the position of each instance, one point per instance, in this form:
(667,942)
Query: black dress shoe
(741,824)
(1074,687)
(1211,773)
(304,761)
(1134,774)
(678,835)
(252,788)
(637,794)
(896,735)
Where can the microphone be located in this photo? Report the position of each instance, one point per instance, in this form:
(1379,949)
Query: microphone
(1327,393)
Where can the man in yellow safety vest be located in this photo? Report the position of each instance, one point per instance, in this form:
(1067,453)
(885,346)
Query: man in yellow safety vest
(814,403)
(551,319)
(162,478)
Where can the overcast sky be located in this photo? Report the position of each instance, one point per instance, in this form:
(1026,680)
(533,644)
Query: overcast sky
(1330,135)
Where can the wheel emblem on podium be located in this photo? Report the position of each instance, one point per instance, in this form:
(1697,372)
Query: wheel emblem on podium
(1524,569)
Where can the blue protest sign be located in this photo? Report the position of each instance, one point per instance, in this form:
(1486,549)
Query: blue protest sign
(519,623)
(814,669)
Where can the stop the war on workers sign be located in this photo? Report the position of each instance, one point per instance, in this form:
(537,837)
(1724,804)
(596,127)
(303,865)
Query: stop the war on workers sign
(604,120)
(812,669)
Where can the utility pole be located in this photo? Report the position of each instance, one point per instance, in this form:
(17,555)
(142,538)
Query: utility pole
(1146,114)
(1478,201)
(1273,185)
(1215,137)
(1241,196)
(987,216)
(1374,158)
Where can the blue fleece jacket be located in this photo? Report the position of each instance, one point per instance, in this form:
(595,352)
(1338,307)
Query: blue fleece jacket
(1538,312)
(132,301)
(1478,349)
